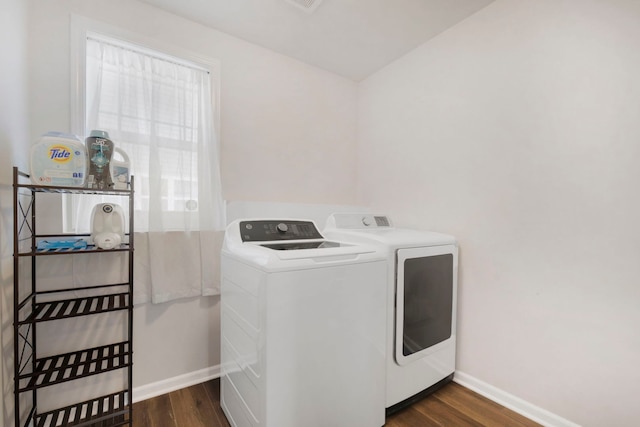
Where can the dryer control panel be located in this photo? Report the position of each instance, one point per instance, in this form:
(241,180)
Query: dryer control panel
(270,230)
(358,221)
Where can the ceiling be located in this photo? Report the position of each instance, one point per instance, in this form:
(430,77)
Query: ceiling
(352,38)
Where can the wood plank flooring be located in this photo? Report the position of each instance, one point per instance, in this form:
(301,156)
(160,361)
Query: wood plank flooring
(453,405)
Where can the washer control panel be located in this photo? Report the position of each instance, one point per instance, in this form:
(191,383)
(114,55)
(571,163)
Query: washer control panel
(270,230)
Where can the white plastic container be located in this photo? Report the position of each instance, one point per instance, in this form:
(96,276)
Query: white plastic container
(107,225)
(58,159)
(120,169)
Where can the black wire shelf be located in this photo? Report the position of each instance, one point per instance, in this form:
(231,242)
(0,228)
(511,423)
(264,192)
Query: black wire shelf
(74,190)
(78,364)
(75,307)
(33,306)
(123,247)
(109,411)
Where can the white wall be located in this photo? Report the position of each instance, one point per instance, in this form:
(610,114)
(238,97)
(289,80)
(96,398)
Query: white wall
(287,134)
(13,132)
(518,132)
(288,129)
(13,86)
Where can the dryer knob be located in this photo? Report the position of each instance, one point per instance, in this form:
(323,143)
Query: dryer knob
(366,221)
(282,227)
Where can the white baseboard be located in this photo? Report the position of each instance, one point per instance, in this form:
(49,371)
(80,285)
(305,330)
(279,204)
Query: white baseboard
(524,408)
(529,410)
(175,383)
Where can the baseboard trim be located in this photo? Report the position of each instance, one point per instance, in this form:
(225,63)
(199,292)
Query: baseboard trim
(516,404)
(175,383)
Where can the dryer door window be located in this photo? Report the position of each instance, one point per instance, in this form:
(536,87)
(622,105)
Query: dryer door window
(426,282)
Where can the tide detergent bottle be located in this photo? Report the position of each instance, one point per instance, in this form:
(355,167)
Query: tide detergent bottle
(58,159)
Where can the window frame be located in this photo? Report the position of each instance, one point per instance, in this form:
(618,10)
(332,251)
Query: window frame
(81,28)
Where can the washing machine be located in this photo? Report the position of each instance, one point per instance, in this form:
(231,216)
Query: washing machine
(302,327)
(421,314)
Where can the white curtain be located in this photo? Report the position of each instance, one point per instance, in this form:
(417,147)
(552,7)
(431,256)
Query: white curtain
(159,111)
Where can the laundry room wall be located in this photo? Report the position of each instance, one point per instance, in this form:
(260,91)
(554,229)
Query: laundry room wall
(287,135)
(517,131)
(14,130)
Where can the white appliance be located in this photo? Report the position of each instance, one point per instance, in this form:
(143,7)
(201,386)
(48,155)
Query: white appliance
(107,225)
(422,294)
(302,326)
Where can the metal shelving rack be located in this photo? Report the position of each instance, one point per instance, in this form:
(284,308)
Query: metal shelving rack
(33,372)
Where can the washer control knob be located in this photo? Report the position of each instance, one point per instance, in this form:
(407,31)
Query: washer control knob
(282,227)
(366,221)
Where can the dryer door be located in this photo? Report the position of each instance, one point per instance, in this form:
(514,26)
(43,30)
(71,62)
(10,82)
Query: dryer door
(426,283)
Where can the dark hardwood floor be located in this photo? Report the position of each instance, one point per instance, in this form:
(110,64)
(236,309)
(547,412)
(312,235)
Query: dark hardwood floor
(453,405)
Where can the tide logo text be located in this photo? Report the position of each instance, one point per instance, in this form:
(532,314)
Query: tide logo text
(60,154)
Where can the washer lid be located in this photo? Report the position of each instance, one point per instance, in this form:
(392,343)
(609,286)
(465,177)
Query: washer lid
(322,244)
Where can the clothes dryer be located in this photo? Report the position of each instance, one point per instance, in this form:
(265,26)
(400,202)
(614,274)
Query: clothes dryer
(421,312)
(302,327)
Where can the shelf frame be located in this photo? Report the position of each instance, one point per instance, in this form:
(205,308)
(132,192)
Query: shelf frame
(109,410)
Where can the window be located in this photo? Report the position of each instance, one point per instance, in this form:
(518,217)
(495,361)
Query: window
(161,110)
